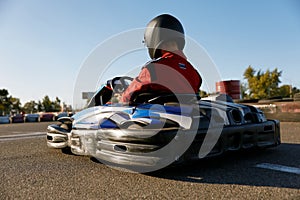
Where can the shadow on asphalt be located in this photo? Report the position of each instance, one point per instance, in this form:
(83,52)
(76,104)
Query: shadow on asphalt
(67,151)
(240,168)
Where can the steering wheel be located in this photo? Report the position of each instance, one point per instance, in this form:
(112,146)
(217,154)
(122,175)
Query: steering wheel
(120,84)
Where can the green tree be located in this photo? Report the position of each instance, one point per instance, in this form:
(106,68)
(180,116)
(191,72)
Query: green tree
(30,107)
(15,104)
(47,105)
(40,106)
(8,103)
(4,103)
(295,90)
(262,84)
(56,104)
(244,90)
(203,94)
(285,91)
(3,93)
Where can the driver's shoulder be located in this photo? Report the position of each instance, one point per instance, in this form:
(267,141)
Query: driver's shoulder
(150,64)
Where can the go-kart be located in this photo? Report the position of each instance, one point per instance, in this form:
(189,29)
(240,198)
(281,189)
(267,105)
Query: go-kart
(156,130)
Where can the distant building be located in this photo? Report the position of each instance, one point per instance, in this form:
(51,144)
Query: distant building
(87,95)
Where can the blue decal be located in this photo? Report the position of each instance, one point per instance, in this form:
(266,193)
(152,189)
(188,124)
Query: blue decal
(182,66)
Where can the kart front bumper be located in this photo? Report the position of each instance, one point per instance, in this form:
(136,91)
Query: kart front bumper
(126,151)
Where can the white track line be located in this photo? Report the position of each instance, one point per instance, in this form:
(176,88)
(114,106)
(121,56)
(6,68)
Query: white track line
(22,136)
(282,168)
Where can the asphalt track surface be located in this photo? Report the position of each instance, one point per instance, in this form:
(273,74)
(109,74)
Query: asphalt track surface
(30,170)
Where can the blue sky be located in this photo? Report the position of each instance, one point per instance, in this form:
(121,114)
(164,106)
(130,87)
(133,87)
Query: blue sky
(43,44)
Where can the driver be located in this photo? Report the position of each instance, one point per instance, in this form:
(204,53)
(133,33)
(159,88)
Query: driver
(168,72)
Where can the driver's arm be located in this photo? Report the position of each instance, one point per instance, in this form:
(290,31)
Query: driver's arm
(136,85)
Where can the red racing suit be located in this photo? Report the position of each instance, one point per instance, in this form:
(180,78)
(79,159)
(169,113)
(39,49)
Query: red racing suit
(171,73)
